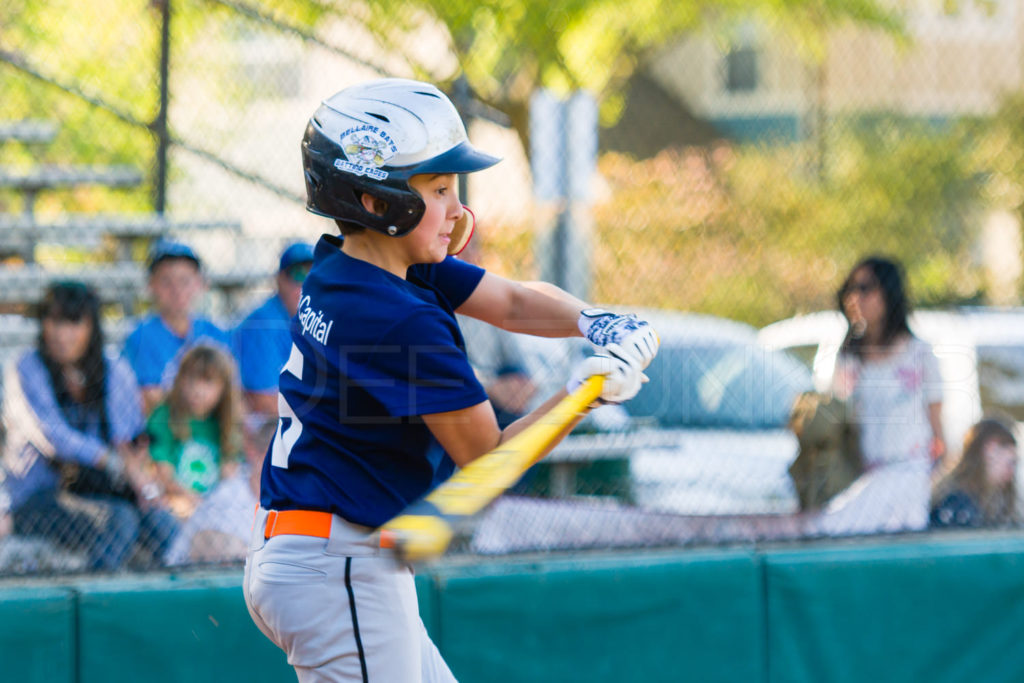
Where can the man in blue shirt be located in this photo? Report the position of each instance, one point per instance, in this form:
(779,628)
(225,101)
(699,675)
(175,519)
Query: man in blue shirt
(158,342)
(262,340)
(378,402)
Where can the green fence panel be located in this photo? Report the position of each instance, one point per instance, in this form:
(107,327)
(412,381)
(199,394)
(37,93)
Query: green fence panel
(949,608)
(940,611)
(173,630)
(37,635)
(678,617)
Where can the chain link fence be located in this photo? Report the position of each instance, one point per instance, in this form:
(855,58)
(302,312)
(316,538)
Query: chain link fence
(744,160)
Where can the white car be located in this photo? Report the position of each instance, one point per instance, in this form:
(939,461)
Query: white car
(980,353)
(708,442)
(706,436)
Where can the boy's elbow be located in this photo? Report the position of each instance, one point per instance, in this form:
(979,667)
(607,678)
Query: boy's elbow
(465,456)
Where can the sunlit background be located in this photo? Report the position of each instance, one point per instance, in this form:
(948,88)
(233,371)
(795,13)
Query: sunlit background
(727,163)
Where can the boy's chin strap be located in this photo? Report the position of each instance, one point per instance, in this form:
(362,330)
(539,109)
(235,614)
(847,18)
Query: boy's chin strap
(462,231)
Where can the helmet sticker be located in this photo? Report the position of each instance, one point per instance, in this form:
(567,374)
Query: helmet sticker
(367,148)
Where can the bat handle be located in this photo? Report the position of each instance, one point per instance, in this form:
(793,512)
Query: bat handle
(414,538)
(590,390)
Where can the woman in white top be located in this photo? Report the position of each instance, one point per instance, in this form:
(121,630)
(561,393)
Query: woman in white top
(892,380)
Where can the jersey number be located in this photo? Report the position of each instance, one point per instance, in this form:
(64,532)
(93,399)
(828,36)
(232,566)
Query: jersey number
(289,428)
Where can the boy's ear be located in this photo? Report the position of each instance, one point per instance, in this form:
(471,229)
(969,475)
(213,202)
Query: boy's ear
(374,205)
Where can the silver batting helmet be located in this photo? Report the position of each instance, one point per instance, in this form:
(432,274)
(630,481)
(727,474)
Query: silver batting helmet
(372,138)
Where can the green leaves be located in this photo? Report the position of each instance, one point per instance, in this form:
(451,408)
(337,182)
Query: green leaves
(507,49)
(751,233)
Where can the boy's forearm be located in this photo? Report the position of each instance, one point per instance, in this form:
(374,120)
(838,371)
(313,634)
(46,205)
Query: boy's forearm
(543,309)
(537,308)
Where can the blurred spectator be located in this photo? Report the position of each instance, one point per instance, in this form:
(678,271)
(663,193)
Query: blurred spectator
(6,521)
(981,490)
(194,434)
(262,341)
(510,392)
(828,458)
(892,379)
(156,345)
(218,531)
(497,359)
(75,469)
(500,367)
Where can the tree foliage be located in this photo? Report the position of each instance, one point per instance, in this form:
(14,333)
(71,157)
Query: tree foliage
(507,49)
(741,231)
(109,51)
(61,38)
(744,232)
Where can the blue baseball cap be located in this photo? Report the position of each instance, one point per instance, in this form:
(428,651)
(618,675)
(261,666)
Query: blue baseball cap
(164,249)
(299,252)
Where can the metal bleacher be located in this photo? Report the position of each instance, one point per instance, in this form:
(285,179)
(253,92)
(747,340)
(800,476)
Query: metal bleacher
(116,273)
(28,131)
(33,181)
(20,233)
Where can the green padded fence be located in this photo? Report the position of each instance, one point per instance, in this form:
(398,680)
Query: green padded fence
(161,630)
(936,612)
(678,617)
(37,635)
(929,609)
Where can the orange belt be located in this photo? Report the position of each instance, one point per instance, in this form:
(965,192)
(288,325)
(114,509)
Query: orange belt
(298,523)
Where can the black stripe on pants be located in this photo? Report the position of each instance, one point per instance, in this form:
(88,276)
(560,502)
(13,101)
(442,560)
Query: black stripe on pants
(355,618)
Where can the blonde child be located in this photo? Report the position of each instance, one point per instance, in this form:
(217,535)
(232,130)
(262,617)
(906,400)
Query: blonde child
(195,436)
(219,529)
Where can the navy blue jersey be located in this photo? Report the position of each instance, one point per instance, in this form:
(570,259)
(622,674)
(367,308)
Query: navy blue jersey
(370,354)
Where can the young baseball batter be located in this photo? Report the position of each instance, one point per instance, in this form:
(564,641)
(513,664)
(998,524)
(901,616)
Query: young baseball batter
(378,403)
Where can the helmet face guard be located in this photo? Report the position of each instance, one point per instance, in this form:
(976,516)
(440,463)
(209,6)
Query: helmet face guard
(372,139)
(462,232)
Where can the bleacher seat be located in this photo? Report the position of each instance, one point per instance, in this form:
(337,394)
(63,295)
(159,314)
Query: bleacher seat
(28,131)
(123,282)
(30,182)
(19,233)
(120,282)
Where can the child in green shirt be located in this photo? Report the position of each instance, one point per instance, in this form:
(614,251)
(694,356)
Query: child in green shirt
(194,433)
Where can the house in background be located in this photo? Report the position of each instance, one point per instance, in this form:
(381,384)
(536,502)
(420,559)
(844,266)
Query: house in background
(960,59)
(652,120)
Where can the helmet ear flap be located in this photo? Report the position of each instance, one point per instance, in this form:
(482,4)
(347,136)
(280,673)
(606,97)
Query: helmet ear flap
(313,180)
(462,231)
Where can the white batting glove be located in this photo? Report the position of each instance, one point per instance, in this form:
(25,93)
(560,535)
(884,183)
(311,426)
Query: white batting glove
(620,336)
(623,377)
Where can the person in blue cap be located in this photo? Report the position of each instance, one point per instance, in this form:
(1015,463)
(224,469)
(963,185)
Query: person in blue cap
(262,340)
(153,349)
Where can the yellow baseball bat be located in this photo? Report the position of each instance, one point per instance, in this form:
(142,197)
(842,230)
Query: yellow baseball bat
(425,529)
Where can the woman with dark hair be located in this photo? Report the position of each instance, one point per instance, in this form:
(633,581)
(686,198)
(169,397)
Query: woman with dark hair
(72,457)
(891,378)
(981,490)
